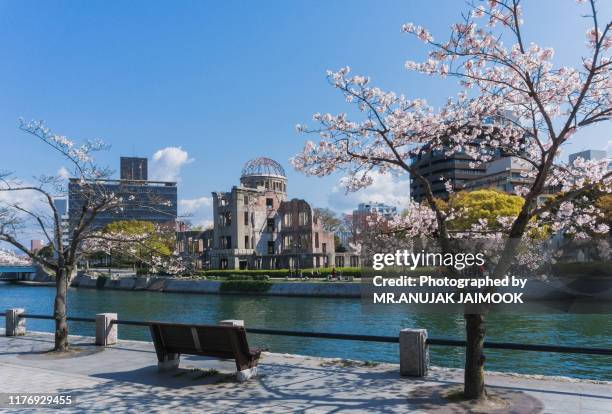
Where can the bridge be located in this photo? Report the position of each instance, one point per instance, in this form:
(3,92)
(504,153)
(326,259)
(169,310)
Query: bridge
(9,273)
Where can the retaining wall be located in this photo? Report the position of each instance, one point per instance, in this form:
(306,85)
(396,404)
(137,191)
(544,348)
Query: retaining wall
(165,284)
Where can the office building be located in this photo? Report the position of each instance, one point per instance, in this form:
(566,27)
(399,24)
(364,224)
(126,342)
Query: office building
(36,245)
(366,212)
(438,168)
(503,174)
(133,168)
(61,206)
(588,155)
(154,201)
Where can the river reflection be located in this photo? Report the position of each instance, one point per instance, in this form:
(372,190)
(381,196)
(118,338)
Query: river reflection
(340,316)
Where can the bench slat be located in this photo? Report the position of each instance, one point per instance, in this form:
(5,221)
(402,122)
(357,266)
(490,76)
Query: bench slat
(219,341)
(196,339)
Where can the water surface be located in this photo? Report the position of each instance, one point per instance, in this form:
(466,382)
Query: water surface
(338,316)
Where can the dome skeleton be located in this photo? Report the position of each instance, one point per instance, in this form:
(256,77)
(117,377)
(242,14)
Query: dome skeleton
(263,166)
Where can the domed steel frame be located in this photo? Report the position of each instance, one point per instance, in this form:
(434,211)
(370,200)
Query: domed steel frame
(263,166)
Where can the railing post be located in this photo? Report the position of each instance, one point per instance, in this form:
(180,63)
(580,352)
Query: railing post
(106,331)
(414,352)
(14,323)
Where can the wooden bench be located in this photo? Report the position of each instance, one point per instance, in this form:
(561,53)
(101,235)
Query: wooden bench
(219,341)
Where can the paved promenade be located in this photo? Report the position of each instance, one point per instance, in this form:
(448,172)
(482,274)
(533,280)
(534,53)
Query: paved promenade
(125,378)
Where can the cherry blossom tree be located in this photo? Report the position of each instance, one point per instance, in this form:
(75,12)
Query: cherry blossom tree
(18,217)
(513,100)
(11,259)
(149,245)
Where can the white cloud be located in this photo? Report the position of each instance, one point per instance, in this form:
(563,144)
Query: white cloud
(63,173)
(197,210)
(167,163)
(28,199)
(385,188)
(190,205)
(609,147)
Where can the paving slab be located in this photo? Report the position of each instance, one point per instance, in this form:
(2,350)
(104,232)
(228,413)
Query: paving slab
(124,378)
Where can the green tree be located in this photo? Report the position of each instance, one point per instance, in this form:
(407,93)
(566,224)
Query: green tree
(46,252)
(152,240)
(486,204)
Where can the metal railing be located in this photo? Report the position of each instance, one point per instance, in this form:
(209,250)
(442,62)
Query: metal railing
(374,338)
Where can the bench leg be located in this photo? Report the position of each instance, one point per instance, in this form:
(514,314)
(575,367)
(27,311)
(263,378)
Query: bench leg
(246,374)
(169,362)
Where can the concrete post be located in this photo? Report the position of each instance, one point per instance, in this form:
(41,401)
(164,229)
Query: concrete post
(15,325)
(232,322)
(414,352)
(106,333)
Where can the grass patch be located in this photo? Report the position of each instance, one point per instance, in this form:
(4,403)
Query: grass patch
(454,395)
(205,374)
(349,363)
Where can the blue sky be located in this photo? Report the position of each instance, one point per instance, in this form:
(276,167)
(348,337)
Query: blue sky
(225,81)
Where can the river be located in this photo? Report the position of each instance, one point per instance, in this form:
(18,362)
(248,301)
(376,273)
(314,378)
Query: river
(338,316)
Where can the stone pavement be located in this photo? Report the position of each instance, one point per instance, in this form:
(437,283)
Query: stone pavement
(124,378)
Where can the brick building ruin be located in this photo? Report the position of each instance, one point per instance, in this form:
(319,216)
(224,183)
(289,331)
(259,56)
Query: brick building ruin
(257,227)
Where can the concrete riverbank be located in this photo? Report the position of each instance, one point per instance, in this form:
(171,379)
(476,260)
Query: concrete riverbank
(124,378)
(165,284)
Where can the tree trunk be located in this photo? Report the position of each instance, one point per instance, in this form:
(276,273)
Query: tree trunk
(473,386)
(59,310)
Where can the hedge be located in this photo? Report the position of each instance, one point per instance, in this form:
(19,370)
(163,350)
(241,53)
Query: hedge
(322,273)
(280,273)
(246,277)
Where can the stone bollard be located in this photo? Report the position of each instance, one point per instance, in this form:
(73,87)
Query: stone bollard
(414,352)
(15,324)
(232,322)
(106,333)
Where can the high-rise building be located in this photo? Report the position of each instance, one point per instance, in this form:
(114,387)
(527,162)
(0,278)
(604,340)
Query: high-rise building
(457,169)
(507,174)
(504,174)
(375,208)
(36,245)
(366,211)
(438,168)
(134,169)
(154,201)
(588,155)
(61,205)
